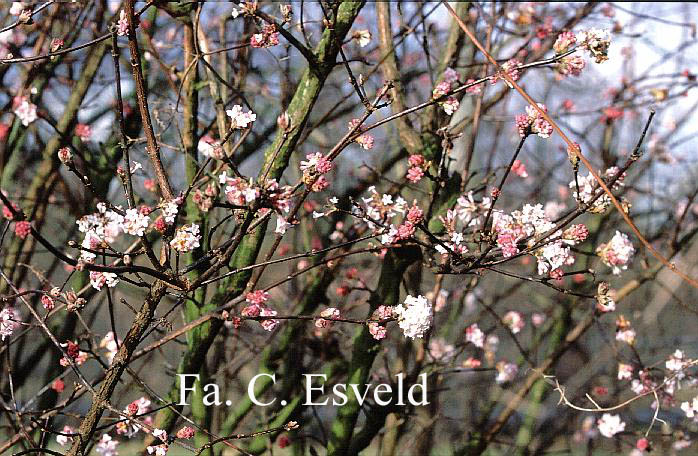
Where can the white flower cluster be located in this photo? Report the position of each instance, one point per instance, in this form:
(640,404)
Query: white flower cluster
(239,119)
(170,210)
(135,223)
(382,208)
(475,336)
(690,408)
(100,228)
(610,425)
(186,238)
(104,227)
(588,187)
(8,321)
(25,110)
(414,316)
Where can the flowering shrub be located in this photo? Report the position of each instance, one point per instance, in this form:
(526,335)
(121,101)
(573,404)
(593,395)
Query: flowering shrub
(448,213)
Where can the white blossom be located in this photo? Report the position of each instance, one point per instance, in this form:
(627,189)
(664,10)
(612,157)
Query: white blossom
(8,321)
(135,223)
(610,425)
(363,37)
(475,336)
(689,408)
(414,316)
(25,111)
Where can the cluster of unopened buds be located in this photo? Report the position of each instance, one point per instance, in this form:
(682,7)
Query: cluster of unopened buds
(533,123)
(204,199)
(418,165)
(268,38)
(73,353)
(511,68)
(22,227)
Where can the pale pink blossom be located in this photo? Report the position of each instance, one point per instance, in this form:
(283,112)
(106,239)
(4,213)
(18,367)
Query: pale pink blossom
(240,119)
(617,253)
(506,372)
(474,335)
(107,446)
(9,321)
(24,110)
(62,439)
(98,279)
(363,37)
(122,25)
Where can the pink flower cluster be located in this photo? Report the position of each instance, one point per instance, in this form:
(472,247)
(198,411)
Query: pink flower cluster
(533,224)
(450,104)
(122,25)
(533,123)
(139,409)
(204,200)
(257,308)
(313,167)
(381,314)
(268,38)
(209,147)
(511,68)
(616,253)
